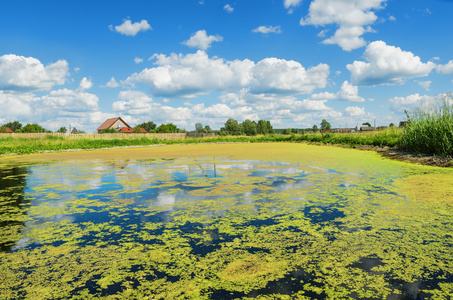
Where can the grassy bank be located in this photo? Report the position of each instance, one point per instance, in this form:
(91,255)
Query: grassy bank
(13,145)
(430,130)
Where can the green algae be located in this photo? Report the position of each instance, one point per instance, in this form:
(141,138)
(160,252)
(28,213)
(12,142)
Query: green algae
(298,223)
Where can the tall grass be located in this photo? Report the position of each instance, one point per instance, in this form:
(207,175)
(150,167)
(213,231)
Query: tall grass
(430,129)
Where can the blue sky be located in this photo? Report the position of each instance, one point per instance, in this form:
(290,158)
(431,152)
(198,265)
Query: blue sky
(291,62)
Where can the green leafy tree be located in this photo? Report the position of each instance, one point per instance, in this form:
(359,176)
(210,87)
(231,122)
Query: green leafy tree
(148,126)
(287,131)
(315,128)
(168,128)
(262,127)
(62,130)
(32,128)
(325,125)
(392,125)
(232,127)
(13,125)
(137,130)
(199,127)
(207,129)
(108,130)
(269,127)
(249,127)
(367,123)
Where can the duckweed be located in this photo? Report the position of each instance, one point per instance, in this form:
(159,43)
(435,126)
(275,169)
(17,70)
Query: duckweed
(257,221)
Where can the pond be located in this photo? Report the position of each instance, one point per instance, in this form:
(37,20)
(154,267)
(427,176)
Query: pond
(224,221)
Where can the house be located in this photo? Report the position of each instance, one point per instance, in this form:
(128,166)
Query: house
(364,128)
(129,130)
(72,130)
(6,130)
(114,123)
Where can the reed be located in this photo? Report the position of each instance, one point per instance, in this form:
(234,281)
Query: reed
(429,129)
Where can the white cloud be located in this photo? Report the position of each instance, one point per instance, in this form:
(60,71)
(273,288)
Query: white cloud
(348,92)
(228,8)
(387,65)
(85,84)
(19,73)
(201,40)
(355,111)
(134,103)
(267,29)
(138,60)
(399,104)
(291,4)
(131,29)
(352,17)
(112,83)
(16,105)
(446,69)
(194,74)
(425,84)
(279,76)
(392,18)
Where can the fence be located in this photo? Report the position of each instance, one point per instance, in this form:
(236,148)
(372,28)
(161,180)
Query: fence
(105,136)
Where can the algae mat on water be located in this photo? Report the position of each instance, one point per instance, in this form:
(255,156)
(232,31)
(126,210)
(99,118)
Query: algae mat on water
(226,221)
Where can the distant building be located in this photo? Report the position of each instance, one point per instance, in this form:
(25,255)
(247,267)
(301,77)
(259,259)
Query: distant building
(72,130)
(114,123)
(129,130)
(364,128)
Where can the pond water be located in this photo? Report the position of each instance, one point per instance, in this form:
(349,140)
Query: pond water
(282,221)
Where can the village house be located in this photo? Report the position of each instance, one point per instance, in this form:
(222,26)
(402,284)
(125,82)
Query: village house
(118,124)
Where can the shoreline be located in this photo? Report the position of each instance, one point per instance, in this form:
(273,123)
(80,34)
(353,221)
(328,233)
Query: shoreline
(387,152)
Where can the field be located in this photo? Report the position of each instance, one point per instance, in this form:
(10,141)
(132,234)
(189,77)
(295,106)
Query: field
(48,142)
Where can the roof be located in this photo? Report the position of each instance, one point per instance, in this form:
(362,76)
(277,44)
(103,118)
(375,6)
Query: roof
(8,130)
(129,130)
(109,123)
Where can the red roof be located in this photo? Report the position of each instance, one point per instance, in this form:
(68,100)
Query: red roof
(8,130)
(129,130)
(109,123)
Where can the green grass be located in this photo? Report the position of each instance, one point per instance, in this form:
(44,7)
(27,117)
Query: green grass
(430,130)
(13,145)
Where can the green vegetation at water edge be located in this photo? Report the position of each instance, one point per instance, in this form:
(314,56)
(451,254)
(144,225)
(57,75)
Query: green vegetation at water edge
(11,145)
(430,130)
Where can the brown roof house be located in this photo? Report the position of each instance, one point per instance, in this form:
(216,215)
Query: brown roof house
(115,123)
(118,124)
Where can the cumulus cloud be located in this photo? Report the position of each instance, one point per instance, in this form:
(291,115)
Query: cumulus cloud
(112,83)
(194,74)
(291,4)
(387,65)
(19,73)
(425,84)
(355,111)
(399,104)
(201,40)
(17,105)
(348,92)
(353,18)
(446,69)
(228,8)
(131,29)
(138,60)
(267,29)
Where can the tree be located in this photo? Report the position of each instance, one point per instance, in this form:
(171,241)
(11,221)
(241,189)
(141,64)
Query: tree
(261,127)
(287,131)
(137,130)
(148,126)
(168,128)
(32,128)
(108,130)
(269,127)
(249,127)
(4,129)
(367,123)
(392,125)
(232,127)
(199,127)
(207,129)
(325,125)
(62,130)
(13,125)
(315,128)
